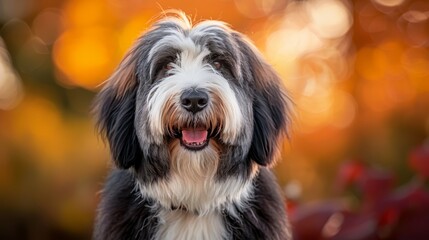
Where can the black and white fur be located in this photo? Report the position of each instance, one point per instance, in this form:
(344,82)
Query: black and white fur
(166,188)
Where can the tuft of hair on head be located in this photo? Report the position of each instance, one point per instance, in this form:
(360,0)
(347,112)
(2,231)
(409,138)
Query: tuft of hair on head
(176,16)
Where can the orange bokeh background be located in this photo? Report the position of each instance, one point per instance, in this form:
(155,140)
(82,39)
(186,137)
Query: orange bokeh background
(358,72)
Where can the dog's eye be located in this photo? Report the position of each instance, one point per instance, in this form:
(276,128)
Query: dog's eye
(168,66)
(217,65)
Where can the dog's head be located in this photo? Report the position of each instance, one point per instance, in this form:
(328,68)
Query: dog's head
(200,92)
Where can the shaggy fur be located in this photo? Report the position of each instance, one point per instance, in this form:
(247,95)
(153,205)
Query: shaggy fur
(193,116)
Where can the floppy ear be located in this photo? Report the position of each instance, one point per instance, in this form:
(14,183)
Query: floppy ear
(271,113)
(115,111)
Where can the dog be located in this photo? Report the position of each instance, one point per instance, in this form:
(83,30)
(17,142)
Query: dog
(193,116)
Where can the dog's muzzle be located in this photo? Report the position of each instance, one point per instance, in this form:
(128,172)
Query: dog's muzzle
(194,100)
(194,137)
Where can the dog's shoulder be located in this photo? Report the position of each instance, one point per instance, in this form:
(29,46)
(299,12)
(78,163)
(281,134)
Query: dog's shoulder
(265,215)
(122,213)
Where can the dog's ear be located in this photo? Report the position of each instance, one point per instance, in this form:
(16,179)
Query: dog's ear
(271,105)
(115,111)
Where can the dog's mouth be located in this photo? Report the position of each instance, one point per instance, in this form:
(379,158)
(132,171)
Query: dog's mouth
(195,138)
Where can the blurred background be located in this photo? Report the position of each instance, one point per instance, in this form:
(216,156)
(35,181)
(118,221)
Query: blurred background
(357,163)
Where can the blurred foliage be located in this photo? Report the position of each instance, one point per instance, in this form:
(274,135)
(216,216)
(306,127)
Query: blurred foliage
(357,71)
(380,211)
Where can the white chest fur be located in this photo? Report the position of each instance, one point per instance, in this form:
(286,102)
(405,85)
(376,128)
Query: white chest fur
(182,225)
(192,184)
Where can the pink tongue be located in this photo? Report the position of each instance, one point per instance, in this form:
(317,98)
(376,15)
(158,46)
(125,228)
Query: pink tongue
(194,135)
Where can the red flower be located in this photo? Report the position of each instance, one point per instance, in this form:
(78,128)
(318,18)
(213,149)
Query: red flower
(419,160)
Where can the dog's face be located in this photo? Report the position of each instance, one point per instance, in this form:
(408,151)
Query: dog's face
(196,95)
(192,102)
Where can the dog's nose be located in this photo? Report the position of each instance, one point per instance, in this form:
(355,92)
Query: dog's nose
(194,100)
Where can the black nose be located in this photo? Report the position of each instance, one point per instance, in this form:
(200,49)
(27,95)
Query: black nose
(194,100)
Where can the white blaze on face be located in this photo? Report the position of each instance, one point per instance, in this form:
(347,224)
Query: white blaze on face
(191,71)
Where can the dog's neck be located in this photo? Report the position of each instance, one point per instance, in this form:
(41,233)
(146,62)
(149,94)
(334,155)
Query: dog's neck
(179,194)
(182,208)
(183,224)
(192,184)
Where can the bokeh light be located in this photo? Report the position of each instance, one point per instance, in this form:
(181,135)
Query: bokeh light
(322,22)
(86,57)
(389,3)
(309,48)
(48,25)
(258,8)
